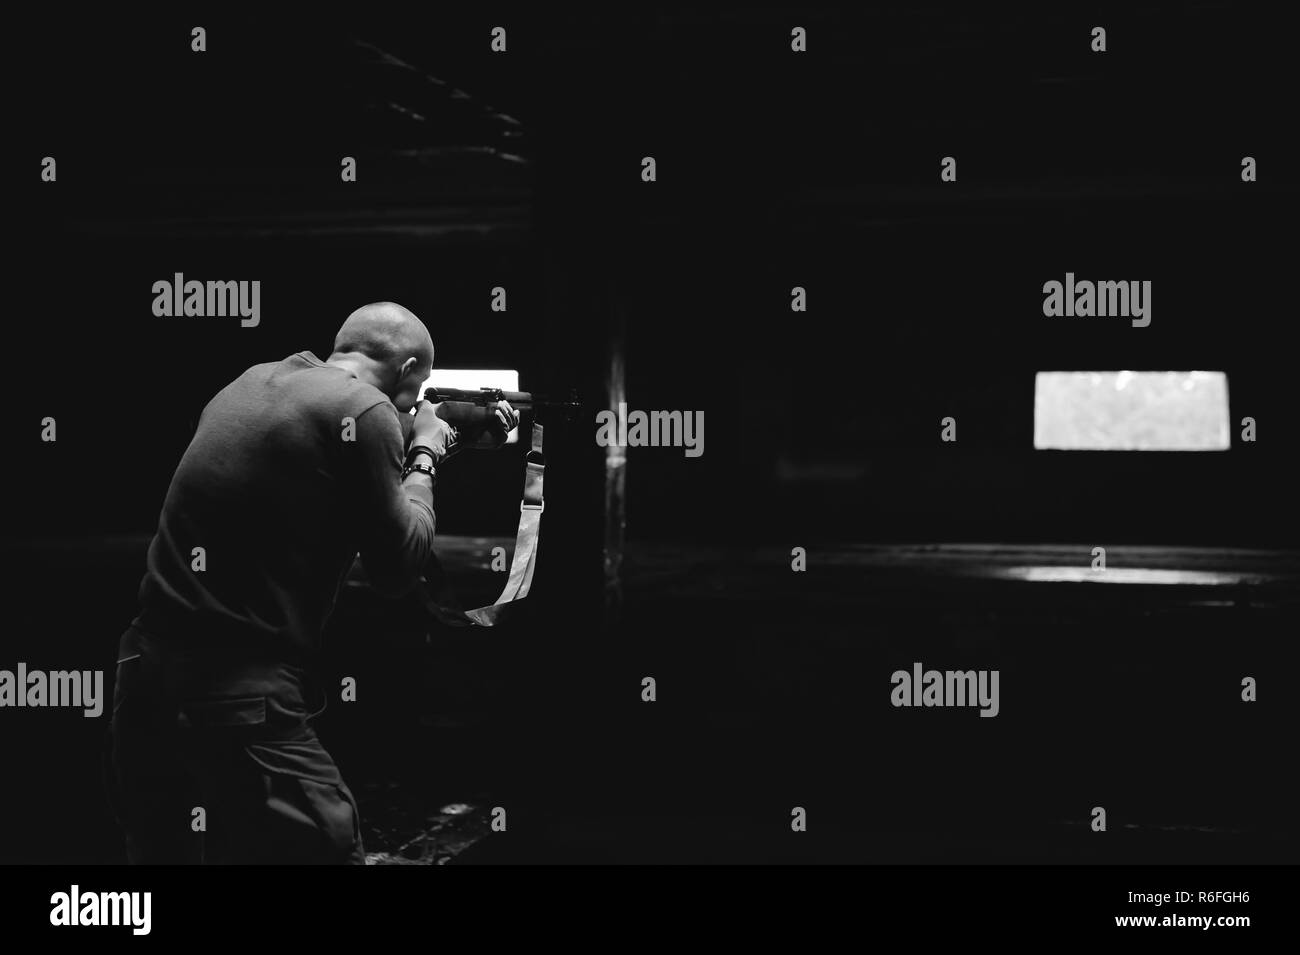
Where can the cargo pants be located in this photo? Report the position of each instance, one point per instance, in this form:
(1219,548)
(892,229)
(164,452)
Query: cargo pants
(212,761)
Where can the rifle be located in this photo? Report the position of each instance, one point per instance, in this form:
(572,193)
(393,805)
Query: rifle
(473,412)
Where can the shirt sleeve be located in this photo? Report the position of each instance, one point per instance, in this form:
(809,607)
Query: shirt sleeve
(395,521)
(407,421)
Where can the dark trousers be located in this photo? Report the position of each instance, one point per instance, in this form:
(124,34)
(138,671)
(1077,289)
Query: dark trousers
(213,761)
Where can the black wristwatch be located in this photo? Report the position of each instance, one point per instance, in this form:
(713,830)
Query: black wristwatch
(420,449)
(422,468)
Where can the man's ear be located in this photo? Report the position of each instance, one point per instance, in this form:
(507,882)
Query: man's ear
(407,367)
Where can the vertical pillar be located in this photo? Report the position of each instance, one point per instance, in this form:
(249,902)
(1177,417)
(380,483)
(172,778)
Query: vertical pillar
(615,466)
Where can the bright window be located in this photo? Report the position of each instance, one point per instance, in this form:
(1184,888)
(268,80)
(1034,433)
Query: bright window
(1131,411)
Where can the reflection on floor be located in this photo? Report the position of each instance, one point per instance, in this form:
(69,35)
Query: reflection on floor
(416,835)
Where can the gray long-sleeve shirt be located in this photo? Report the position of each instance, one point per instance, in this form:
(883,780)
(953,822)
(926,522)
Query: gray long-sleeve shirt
(294,468)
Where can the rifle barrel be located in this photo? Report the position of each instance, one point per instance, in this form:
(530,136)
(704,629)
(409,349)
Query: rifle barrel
(522,400)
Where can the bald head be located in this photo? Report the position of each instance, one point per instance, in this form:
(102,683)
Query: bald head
(387,346)
(384,332)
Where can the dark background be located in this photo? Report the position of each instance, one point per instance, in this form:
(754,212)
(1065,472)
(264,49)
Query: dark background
(774,171)
(821,429)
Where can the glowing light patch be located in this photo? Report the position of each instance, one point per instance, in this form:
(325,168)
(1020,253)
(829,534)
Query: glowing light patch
(1125,575)
(1131,411)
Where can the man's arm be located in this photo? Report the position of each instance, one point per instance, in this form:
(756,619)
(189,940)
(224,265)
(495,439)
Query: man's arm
(395,518)
(407,421)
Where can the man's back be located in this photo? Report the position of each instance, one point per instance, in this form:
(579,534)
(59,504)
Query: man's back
(293,468)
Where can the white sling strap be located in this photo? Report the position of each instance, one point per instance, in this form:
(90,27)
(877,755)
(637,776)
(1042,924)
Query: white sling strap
(435,590)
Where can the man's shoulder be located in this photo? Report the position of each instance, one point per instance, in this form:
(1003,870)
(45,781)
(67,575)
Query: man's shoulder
(299,389)
(334,386)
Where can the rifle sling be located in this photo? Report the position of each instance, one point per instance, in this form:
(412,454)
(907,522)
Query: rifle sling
(435,590)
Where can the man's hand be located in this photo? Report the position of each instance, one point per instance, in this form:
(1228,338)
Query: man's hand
(434,433)
(507,419)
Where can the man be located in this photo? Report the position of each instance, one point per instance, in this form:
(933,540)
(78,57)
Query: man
(296,466)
